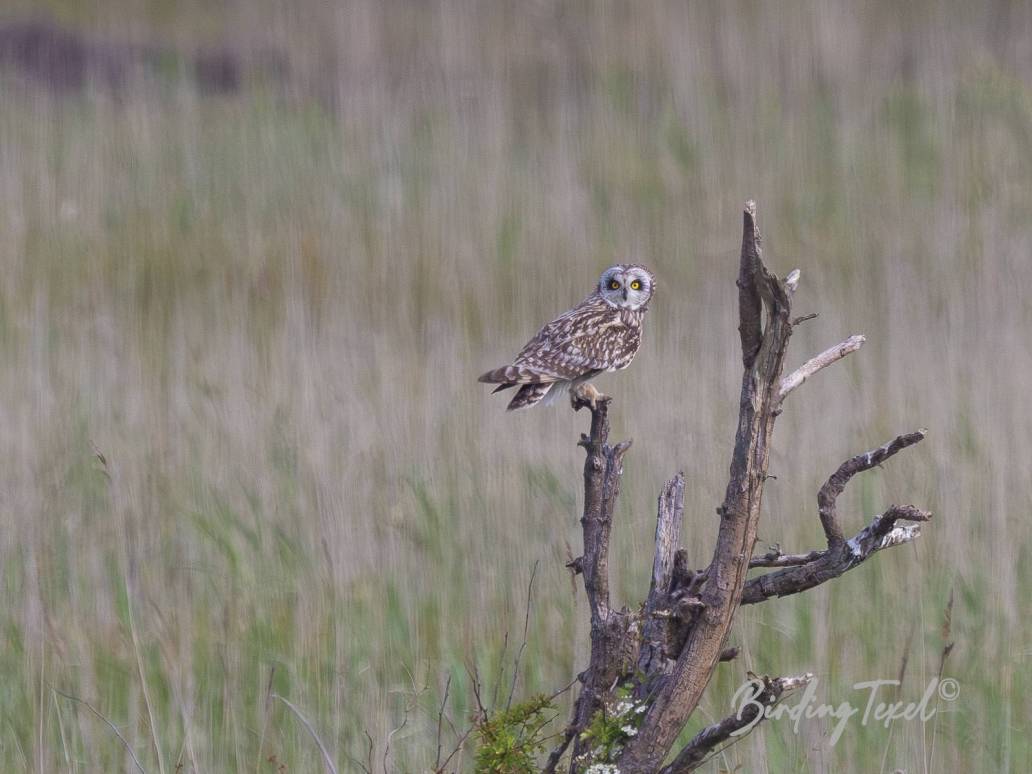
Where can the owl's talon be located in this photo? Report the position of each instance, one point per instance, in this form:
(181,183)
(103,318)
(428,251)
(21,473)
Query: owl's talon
(585,394)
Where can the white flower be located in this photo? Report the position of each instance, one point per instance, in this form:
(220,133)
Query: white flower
(629,730)
(623,708)
(640,709)
(602,768)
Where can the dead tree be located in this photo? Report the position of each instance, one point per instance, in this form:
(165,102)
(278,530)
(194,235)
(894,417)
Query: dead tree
(662,656)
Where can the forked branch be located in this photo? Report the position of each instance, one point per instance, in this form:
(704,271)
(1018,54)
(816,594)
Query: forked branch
(804,571)
(836,484)
(767,692)
(882,532)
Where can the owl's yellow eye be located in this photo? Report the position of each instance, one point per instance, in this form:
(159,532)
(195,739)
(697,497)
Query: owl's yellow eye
(635,285)
(614,285)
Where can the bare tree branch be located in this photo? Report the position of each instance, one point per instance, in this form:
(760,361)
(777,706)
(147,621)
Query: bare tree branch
(565,737)
(774,558)
(813,365)
(455,750)
(768,693)
(603,467)
(476,685)
(556,754)
(834,486)
(827,506)
(881,533)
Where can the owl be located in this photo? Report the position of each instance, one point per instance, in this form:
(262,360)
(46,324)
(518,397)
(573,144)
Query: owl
(601,333)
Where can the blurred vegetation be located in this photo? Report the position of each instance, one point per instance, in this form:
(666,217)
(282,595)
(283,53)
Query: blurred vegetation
(245,449)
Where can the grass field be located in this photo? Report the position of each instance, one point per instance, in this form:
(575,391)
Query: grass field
(245,450)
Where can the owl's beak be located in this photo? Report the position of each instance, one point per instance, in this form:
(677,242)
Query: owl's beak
(625,293)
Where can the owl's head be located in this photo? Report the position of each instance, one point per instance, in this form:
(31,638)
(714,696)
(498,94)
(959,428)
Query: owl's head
(627,286)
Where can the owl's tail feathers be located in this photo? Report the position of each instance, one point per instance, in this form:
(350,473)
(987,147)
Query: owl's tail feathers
(533,385)
(527,395)
(514,374)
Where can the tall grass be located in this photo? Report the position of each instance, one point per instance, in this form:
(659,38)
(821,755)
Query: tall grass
(245,451)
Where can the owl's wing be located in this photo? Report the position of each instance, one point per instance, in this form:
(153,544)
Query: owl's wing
(586,340)
(580,343)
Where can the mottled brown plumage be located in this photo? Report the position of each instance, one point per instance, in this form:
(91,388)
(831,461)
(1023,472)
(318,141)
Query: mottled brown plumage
(602,333)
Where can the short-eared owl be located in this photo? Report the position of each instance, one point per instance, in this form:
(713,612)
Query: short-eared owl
(601,333)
